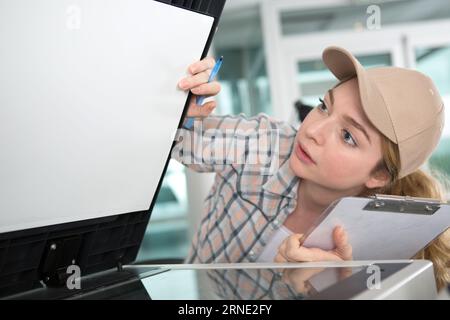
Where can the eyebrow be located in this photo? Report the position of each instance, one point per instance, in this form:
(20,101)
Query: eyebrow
(330,93)
(357,126)
(349,119)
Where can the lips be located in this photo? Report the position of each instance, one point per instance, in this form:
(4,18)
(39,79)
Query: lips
(303,155)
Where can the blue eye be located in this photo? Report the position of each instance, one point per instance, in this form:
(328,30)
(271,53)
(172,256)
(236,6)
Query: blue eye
(322,106)
(346,135)
(348,138)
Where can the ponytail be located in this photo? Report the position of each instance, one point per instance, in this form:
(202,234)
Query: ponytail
(421,184)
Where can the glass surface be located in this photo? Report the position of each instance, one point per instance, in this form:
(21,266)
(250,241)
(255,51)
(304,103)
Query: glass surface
(296,281)
(239,283)
(258,282)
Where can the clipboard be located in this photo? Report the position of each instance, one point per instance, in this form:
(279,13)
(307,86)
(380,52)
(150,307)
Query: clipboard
(382,227)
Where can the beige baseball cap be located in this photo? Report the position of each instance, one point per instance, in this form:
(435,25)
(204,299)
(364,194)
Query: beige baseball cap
(402,104)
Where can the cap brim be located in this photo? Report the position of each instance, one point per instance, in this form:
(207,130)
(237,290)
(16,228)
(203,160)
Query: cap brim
(341,62)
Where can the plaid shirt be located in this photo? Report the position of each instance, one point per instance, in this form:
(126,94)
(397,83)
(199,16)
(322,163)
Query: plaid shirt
(249,199)
(252,284)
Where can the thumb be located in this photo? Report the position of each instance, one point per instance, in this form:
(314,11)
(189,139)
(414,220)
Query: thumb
(201,111)
(342,248)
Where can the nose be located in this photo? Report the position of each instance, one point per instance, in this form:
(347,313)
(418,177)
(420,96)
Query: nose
(317,130)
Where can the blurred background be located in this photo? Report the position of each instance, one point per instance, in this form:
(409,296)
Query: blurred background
(272,59)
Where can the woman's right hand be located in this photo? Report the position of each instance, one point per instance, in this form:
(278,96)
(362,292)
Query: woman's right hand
(197,82)
(291,249)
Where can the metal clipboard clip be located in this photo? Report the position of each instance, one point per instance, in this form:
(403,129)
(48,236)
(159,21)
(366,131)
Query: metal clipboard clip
(403,204)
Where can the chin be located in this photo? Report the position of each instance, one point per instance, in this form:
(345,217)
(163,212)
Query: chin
(297,167)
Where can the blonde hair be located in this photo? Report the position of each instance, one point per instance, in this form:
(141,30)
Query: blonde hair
(417,184)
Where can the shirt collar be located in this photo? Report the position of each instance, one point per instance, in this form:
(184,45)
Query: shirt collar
(284,182)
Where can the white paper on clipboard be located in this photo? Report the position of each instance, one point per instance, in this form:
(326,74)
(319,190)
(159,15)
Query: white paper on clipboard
(382,233)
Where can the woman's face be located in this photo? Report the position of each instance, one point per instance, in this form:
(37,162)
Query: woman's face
(343,146)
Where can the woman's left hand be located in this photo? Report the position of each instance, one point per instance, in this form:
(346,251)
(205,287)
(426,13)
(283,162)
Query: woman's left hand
(292,251)
(197,83)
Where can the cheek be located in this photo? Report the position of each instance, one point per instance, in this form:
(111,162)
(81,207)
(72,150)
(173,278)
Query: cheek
(340,167)
(343,168)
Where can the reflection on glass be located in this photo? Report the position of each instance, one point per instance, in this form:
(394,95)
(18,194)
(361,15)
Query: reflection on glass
(275,284)
(246,284)
(183,285)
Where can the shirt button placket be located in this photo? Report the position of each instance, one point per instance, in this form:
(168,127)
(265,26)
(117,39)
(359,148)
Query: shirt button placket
(276,223)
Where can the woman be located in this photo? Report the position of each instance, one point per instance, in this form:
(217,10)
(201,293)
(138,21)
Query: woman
(369,135)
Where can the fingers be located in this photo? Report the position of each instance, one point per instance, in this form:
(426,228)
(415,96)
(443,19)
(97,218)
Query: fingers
(201,111)
(195,80)
(197,83)
(289,244)
(342,248)
(199,74)
(202,65)
(291,251)
(312,254)
(298,278)
(300,274)
(279,258)
(344,273)
(207,89)
(293,241)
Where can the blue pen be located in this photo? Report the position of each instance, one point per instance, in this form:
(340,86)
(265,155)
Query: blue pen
(200,99)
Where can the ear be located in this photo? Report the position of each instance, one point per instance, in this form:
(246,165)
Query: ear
(378,179)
